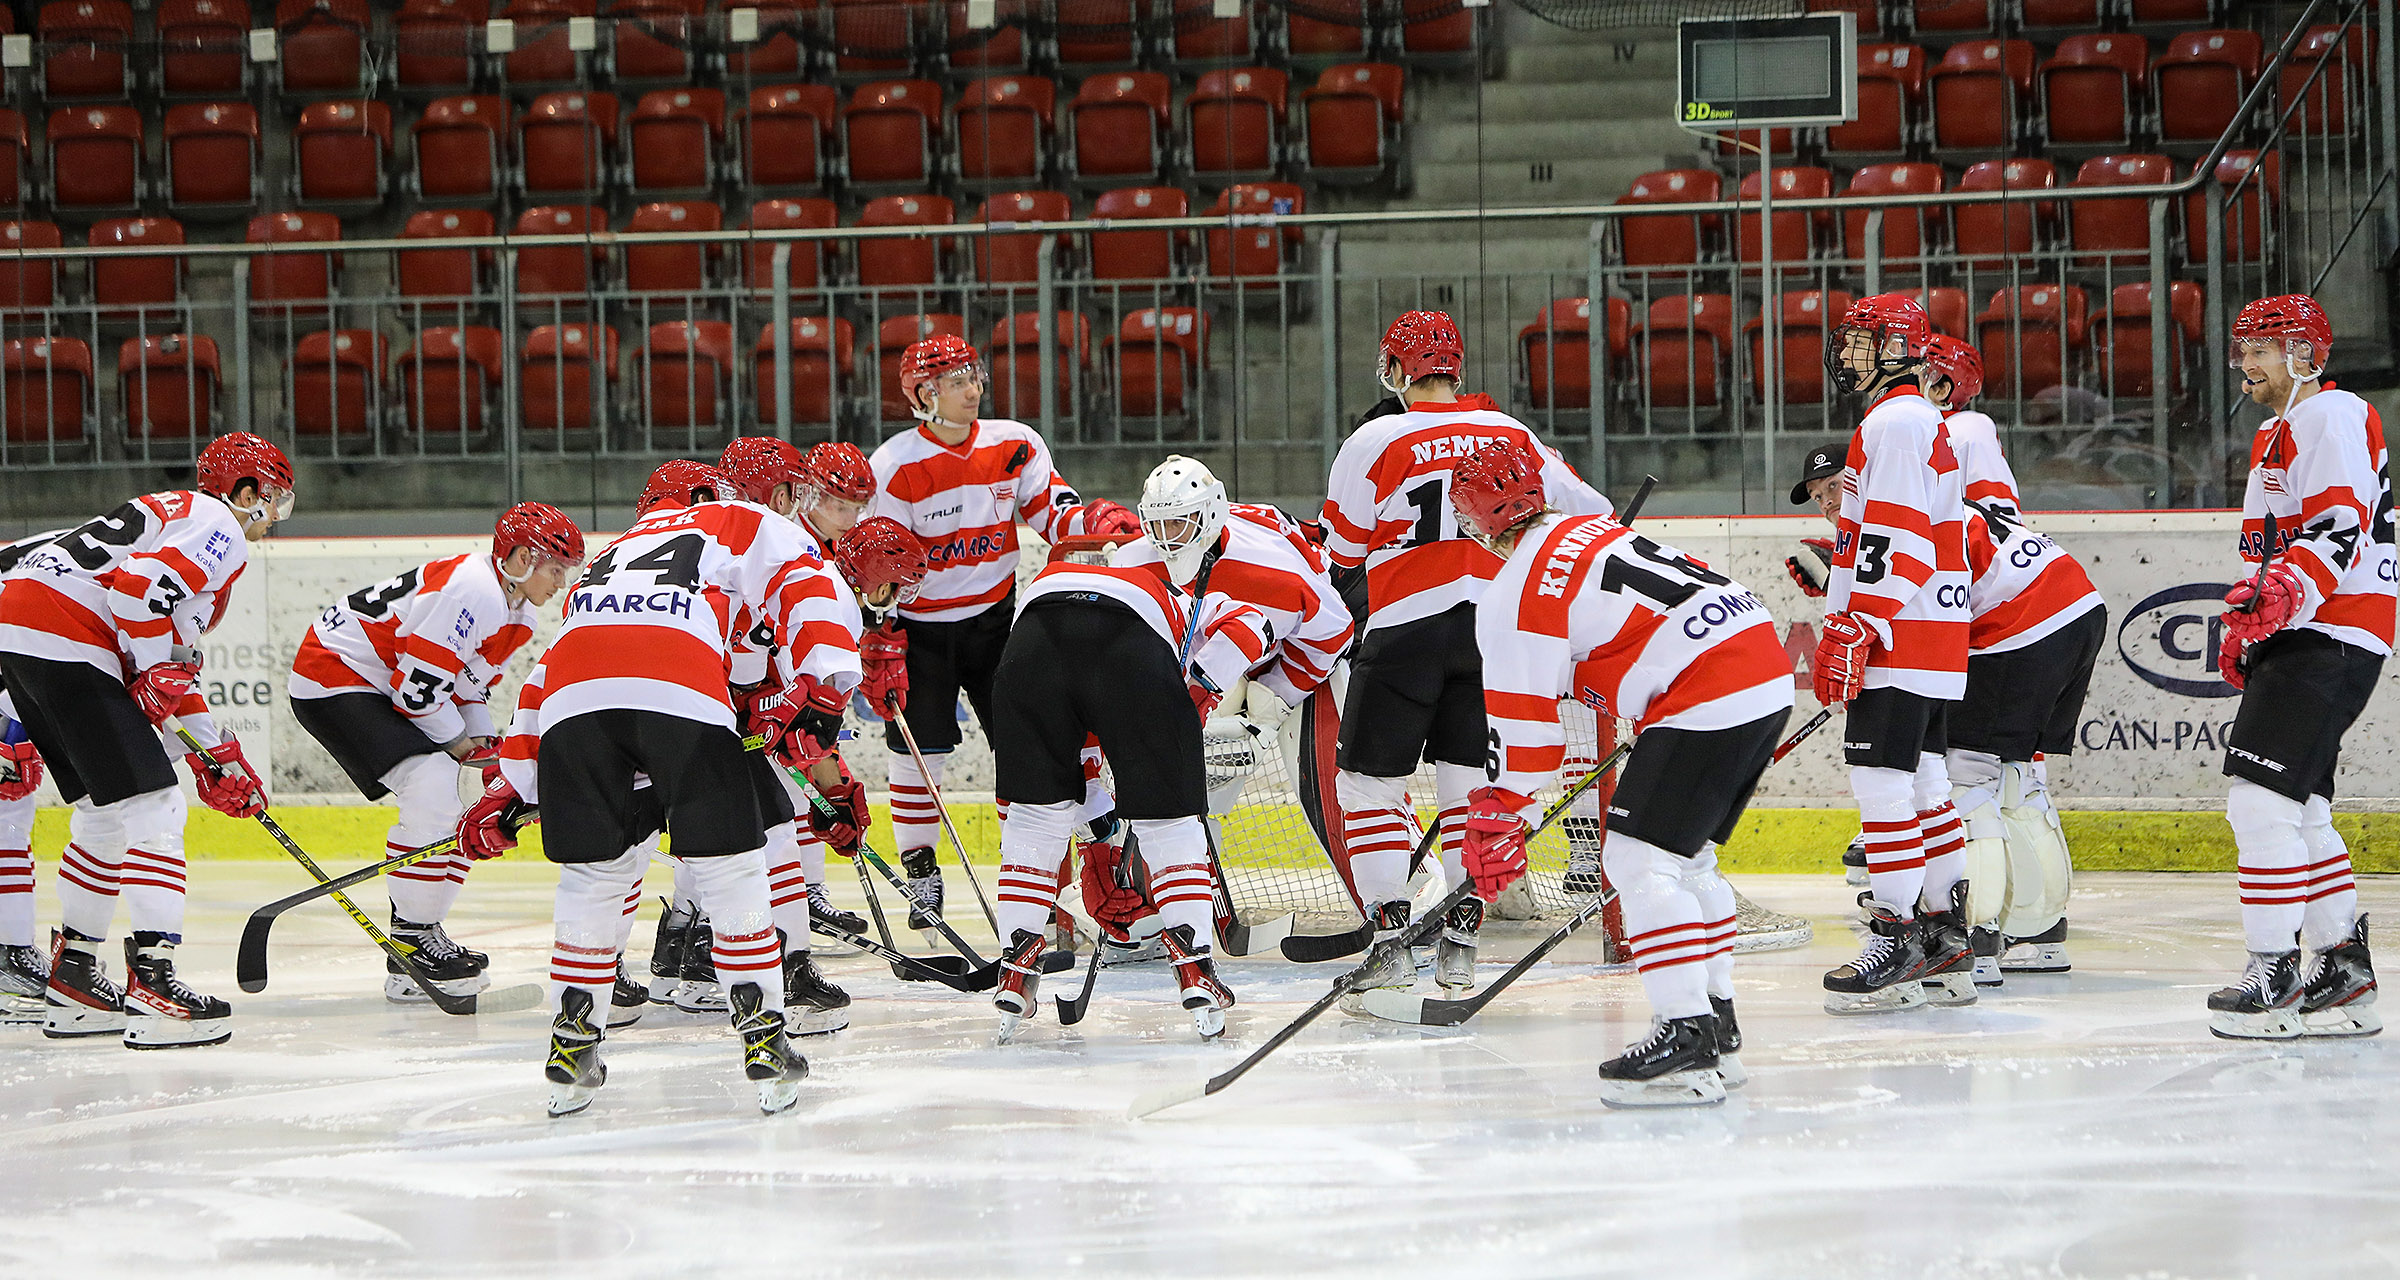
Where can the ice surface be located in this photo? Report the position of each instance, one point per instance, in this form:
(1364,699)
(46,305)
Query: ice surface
(2084,1125)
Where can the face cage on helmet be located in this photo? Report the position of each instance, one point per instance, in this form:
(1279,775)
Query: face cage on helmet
(1850,381)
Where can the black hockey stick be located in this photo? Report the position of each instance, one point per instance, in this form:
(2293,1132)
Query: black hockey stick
(941,809)
(951,971)
(1160,1100)
(1070,1012)
(866,853)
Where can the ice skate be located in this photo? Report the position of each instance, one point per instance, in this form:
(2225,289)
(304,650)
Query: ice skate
(1987,945)
(924,888)
(698,992)
(767,1055)
(1729,1045)
(666,952)
(1948,977)
(575,1071)
(449,966)
(1676,1066)
(2044,952)
(2264,1005)
(1019,991)
(24,975)
(812,1006)
(1584,836)
(160,1011)
(1399,968)
(1854,862)
(628,1000)
(2338,999)
(80,1000)
(1454,954)
(1883,979)
(1205,997)
(822,911)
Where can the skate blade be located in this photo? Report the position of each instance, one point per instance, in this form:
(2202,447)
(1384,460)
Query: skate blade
(1208,1019)
(777,1096)
(662,990)
(2342,1020)
(83,1028)
(1730,1071)
(1949,990)
(1009,1023)
(1892,999)
(1676,1089)
(808,1020)
(399,988)
(621,1016)
(2274,1024)
(1987,972)
(1855,877)
(1118,957)
(694,997)
(176,1033)
(2043,957)
(567,1099)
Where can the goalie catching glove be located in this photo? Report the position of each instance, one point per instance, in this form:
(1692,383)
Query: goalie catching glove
(1494,841)
(1812,568)
(225,781)
(2260,607)
(849,818)
(1843,648)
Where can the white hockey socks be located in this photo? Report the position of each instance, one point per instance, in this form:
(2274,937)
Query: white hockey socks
(1887,815)
(1939,830)
(1708,886)
(1033,845)
(1451,785)
(1665,930)
(787,880)
(733,891)
(426,789)
(2332,906)
(16,872)
(588,925)
(1176,852)
(1377,831)
(916,824)
(2274,858)
(152,876)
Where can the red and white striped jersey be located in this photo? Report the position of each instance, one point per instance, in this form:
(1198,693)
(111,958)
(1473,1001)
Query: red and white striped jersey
(1387,505)
(121,591)
(1900,547)
(521,746)
(2322,472)
(650,623)
(1217,638)
(2024,585)
(434,640)
(1266,562)
(965,503)
(1586,608)
(754,647)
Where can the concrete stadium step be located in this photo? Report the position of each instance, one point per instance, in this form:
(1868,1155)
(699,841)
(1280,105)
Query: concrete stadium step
(1586,99)
(1527,182)
(1551,138)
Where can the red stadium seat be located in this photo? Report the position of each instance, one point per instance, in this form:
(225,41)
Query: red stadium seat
(449,274)
(1312,39)
(565,143)
(462,148)
(903,268)
(1982,91)
(1891,98)
(341,152)
(1234,122)
(1097,34)
(654,40)
(28,284)
(685,374)
(436,43)
(1161,352)
(565,270)
(1685,343)
(84,43)
(1201,36)
(1556,351)
(824,367)
(1353,114)
(1905,231)
(337,382)
(95,159)
(559,389)
(213,158)
(892,133)
(2001,231)
(202,48)
(672,268)
(16,161)
(167,384)
(1732,144)
(1868,12)
(877,25)
(1797,234)
(787,137)
(995,50)
(892,339)
(2322,98)
(2025,333)
(1006,259)
(1138,255)
(1120,126)
(45,390)
(675,139)
(1436,33)
(322,47)
(1801,367)
(1254,255)
(2092,89)
(1948,309)
(2121,335)
(807,267)
(2245,224)
(294,283)
(1016,363)
(2199,83)
(544,57)
(125,286)
(1670,240)
(778,51)
(450,380)
(2114,230)
(1954,15)
(1003,125)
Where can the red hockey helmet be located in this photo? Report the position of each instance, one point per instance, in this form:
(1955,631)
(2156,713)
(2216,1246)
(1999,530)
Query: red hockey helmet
(1495,489)
(932,358)
(1424,344)
(2290,317)
(236,456)
(880,553)
(759,463)
(1959,361)
(838,469)
(540,526)
(682,482)
(1897,332)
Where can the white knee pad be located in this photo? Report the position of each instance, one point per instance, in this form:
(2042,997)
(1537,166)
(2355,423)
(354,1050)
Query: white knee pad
(1701,875)
(904,771)
(1884,795)
(1360,792)
(590,907)
(734,890)
(1167,842)
(100,829)
(2317,819)
(2263,821)
(1036,835)
(1644,875)
(1930,787)
(16,823)
(153,821)
(426,790)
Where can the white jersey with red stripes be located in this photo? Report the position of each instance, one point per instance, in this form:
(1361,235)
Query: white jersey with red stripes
(754,646)
(1266,562)
(2322,473)
(1586,608)
(121,591)
(964,501)
(434,640)
(2024,585)
(1217,640)
(1900,547)
(1387,505)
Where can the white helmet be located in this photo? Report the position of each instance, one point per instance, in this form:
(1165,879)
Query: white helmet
(1183,511)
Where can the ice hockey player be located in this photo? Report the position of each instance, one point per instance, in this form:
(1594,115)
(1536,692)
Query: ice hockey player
(1586,608)
(1416,682)
(635,685)
(1118,655)
(99,648)
(393,680)
(2306,634)
(1894,648)
(24,970)
(960,483)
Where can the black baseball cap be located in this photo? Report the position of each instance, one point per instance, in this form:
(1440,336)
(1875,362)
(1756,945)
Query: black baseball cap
(1824,462)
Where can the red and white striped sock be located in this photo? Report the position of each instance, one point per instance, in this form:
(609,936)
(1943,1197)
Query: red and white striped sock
(1033,846)
(422,891)
(2332,907)
(916,824)
(588,922)
(152,882)
(1665,933)
(87,890)
(787,883)
(2274,864)
(1378,834)
(1176,851)
(1945,841)
(1709,888)
(733,891)
(16,897)
(1452,785)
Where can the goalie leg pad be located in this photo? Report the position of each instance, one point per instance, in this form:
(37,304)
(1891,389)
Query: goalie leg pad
(1975,778)
(2041,873)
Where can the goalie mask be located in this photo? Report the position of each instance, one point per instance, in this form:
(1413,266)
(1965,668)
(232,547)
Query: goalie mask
(1183,510)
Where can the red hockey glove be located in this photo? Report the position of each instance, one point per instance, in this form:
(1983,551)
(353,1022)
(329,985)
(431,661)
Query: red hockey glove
(25,769)
(2229,660)
(768,711)
(1842,651)
(1110,520)
(1494,845)
(1114,894)
(1204,699)
(225,780)
(841,829)
(489,826)
(883,652)
(2258,608)
(159,690)
(1812,568)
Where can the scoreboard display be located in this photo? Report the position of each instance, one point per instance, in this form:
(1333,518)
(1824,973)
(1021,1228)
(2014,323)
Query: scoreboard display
(1751,73)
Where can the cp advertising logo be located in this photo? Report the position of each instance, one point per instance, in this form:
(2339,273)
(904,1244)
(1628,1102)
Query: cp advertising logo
(2171,640)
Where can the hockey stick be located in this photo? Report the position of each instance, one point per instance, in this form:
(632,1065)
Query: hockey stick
(941,809)
(250,958)
(1433,1011)
(951,971)
(866,852)
(1159,1100)
(503,1001)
